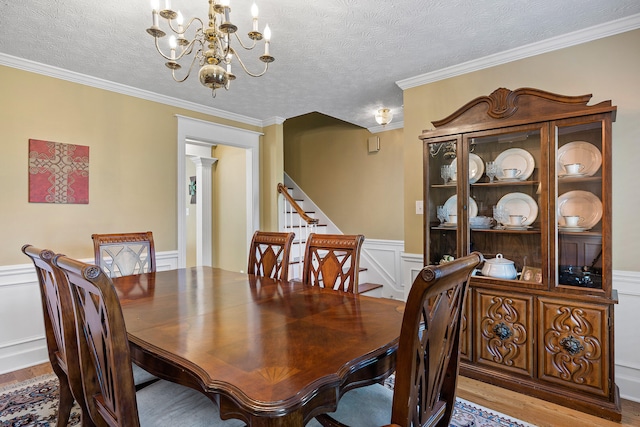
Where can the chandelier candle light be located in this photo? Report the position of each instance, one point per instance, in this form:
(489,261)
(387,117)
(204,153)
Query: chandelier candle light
(210,45)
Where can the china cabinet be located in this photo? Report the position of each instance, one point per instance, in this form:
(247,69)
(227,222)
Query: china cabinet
(524,177)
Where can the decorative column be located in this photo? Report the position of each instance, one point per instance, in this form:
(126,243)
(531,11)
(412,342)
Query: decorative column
(204,190)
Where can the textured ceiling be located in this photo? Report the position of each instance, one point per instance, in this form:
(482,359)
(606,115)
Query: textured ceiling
(338,57)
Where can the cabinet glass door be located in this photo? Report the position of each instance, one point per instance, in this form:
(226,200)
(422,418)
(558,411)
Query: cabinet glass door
(579,203)
(505,185)
(441,208)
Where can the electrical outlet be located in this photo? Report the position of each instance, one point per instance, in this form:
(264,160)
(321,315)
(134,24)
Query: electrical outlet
(419,207)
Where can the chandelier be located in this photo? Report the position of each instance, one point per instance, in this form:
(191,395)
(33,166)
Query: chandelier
(210,45)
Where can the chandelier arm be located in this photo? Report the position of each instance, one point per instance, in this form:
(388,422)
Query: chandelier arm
(243,45)
(266,65)
(186,27)
(173,72)
(186,51)
(189,48)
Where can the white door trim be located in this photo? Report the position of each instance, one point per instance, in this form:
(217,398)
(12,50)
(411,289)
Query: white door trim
(213,133)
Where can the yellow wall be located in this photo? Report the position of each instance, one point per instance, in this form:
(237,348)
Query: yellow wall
(271,158)
(229,208)
(133,164)
(607,68)
(360,191)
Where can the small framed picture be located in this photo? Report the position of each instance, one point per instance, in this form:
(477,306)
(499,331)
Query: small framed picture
(531,274)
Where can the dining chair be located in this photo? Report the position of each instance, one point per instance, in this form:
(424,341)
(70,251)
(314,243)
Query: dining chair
(60,333)
(105,358)
(269,254)
(124,254)
(428,357)
(333,261)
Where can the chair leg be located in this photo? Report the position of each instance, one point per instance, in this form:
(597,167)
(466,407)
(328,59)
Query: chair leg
(65,404)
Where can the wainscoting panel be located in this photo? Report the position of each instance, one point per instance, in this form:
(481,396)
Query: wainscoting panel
(627,315)
(381,258)
(22,340)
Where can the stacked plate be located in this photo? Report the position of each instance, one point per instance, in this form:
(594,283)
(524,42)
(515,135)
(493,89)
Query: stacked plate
(519,204)
(580,203)
(580,152)
(476,168)
(515,158)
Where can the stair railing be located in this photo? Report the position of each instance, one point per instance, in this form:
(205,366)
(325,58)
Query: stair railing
(296,219)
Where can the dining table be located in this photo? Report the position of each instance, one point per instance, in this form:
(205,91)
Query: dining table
(268,352)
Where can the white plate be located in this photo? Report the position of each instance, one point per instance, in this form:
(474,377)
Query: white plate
(574,229)
(451,206)
(580,203)
(450,224)
(481,227)
(579,152)
(516,158)
(572,175)
(520,204)
(476,168)
(517,227)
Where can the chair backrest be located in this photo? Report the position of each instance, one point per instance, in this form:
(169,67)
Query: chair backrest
(124,254)
(103,345)
(269,254)
(428,351)
(333,261)
(59,322)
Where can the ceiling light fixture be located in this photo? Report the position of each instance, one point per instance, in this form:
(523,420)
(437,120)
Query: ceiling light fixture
(384,116)
(210,44)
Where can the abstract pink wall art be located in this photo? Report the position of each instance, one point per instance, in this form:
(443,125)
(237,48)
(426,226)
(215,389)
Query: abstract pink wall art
(58,173)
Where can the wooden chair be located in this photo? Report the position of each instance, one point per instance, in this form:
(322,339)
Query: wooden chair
(269,254)
(105,358)
(333,261)
(428,357)
(124,254)
(60,332)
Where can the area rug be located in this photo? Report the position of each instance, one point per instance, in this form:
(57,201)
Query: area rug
(35,403)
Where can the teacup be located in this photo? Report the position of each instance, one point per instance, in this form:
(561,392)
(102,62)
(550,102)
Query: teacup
(517,220)
(574,168)
(453,219)
(511,173)
(572,220)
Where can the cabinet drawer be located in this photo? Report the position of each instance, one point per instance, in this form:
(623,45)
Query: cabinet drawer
(504,331)
(574,345)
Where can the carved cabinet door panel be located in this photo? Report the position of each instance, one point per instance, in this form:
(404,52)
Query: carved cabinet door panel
(504,331)
(574,345)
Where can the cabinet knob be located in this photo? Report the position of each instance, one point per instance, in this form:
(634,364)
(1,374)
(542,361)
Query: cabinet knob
(571,345)
(502,331)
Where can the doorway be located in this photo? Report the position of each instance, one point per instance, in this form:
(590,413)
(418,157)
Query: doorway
(193,130)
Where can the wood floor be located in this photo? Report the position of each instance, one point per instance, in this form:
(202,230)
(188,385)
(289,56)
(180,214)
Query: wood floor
(535,411)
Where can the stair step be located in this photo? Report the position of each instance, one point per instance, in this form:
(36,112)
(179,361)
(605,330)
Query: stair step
(367,287)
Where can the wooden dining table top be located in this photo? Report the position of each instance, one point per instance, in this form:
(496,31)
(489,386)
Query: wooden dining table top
(269,352)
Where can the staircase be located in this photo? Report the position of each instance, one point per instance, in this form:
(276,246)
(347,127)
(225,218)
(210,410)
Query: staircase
(300,215)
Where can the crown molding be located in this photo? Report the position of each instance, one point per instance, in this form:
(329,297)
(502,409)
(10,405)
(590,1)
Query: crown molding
(275,120)
(71,76)
(555,43)
(391,126)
